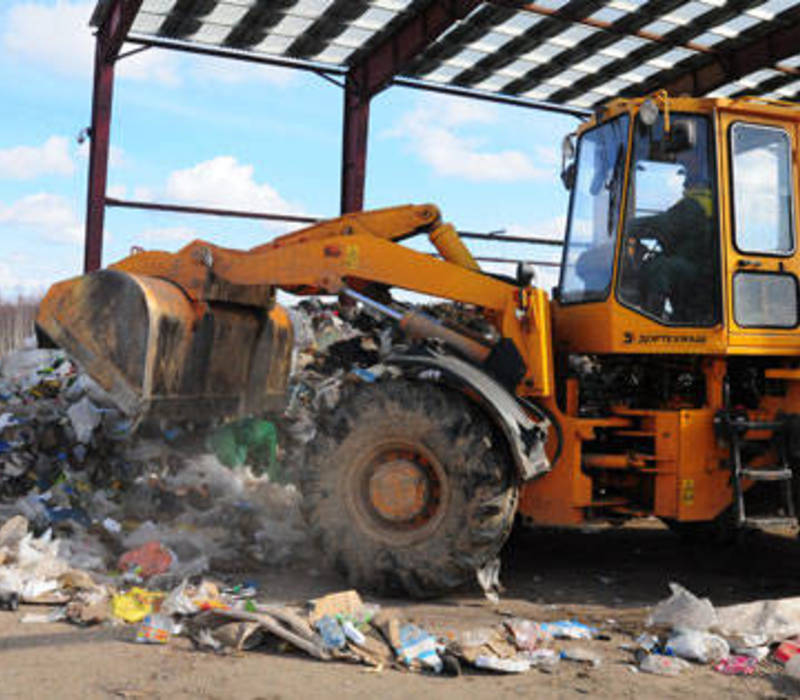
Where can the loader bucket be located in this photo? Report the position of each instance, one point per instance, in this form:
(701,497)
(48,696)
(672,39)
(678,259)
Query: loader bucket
(159,354)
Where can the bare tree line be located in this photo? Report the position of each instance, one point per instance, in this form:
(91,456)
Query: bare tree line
(16,321)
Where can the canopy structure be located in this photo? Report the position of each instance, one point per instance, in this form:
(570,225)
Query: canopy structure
(563,55)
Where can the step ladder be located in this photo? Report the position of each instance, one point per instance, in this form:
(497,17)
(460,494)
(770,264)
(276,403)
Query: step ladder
(733,427)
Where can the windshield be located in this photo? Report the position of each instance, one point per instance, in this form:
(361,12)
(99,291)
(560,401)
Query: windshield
(668,259)
(594,214)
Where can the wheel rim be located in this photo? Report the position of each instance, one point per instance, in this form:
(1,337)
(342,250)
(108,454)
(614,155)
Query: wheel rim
(398,492)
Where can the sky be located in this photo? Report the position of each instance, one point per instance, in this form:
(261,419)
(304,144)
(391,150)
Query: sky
(214,132)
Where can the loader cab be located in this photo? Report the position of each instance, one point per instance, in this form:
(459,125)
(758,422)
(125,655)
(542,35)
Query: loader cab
(681,229)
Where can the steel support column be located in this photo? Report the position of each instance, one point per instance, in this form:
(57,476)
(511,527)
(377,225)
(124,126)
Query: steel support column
(354,143)
(98,157)
(111,33)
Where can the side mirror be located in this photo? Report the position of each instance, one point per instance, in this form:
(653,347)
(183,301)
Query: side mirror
(525,274)
(568,176)
(682,136)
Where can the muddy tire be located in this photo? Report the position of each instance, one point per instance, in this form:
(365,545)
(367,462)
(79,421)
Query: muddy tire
(408,488)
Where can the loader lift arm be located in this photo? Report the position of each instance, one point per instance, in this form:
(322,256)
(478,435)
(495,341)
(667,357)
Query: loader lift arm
(356,250)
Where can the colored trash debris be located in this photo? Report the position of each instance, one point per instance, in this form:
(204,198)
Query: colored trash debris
(148,560)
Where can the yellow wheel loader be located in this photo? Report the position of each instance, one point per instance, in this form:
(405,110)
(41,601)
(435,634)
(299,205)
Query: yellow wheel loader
(661,378)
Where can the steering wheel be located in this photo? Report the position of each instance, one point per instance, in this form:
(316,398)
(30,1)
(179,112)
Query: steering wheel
(641,249)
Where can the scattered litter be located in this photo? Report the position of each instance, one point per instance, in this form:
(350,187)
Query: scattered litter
(148,560)
(495,663)
(698,646)
(136,604)
(582,655)
(488,577)
(663,665)
(684,610)
(416,646)
(737,666)
(792,667)
(774,620)
(154,629)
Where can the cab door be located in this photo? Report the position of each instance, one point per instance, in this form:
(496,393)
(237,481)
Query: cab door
(761,250)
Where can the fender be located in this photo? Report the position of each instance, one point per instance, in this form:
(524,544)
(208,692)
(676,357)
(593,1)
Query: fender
(525,437)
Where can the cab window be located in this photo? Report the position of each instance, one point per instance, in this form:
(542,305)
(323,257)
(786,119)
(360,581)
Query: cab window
(762,189)
(594,213)
(669,266)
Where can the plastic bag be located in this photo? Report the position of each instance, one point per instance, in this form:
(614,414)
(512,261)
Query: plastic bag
(684,609)
(698,646)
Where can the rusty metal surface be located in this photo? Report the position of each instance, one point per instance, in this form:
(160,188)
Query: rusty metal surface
(159,354)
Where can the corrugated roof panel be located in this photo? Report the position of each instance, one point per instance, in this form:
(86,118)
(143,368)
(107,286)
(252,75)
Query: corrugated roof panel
(734,27)
(671,58)
(274,44)
(573,35)
(595,63)
(211,33)
(685,13)
(709,39)
(518,68)
(608,14)
(490,42)
(146,23)
(493,84)
(375,18)
(753,79)
(292,26)
(612,87)
(519,23)
(552,4)
(640,73)
(546,49)
(541,92)
(157,6)
(311,8)
(466,58)
(660,26)
(788,90)
(543,53)
(354,37)
(334,54)
(623,47)
(443,74)
(725,90)
(587,99)
(225,14)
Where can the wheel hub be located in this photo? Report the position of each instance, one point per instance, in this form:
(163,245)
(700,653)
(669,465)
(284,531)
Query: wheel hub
(399,490)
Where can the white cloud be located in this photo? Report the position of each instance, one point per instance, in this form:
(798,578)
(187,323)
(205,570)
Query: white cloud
(167,236)
(117,191)
(59,38)
(27,162)
(226,183)
(431,132)
(50,215)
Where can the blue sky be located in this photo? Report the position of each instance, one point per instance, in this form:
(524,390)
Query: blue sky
(197,130)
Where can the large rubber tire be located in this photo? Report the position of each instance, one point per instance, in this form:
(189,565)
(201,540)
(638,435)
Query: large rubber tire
(466,509)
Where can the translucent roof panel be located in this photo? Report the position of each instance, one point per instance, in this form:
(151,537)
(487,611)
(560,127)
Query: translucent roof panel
(570,51)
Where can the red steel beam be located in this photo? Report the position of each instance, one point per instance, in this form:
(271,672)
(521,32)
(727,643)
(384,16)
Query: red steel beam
(354,146)
(110,36)
(725,66)
(374,72)
(396,51)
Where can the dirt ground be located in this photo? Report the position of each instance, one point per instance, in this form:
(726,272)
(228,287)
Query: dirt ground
(606,577)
